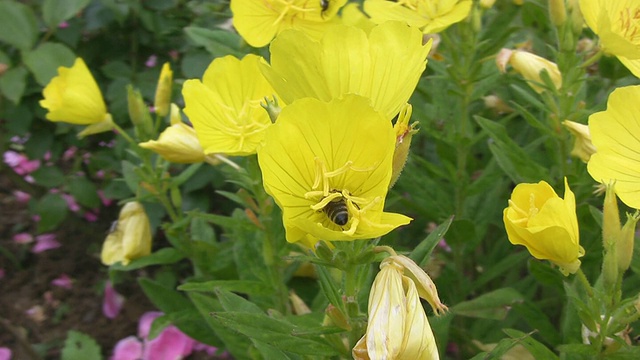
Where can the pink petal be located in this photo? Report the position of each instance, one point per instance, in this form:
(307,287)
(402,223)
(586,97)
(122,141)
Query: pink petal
(171,344)
(29,179)
(105,200)
(45,242)
(151,61)
(13,159)
(21,196)
(47,156)
(63,281)
(71,202)
(210,350)
(112,303)
(144,324)
(5,353)
(129,348)
(69,153)
(23,238)
(63,25)
(90,216)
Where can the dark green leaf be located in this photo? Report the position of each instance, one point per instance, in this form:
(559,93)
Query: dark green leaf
(45,60)
(48,176)
(55,12)
(241,286)
(217,42)
(537,349)
(13,83)
(422,252)
(161,257)
(494,305)
(18,24)
(85,192)
(52,210)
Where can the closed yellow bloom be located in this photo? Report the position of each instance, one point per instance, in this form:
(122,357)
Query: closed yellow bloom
(384,66)
(617,23)
(614,133)
(74,97)
(330,177)
(530,66)
(259,21)
(397,327)
(178,143)
(431,16)
(545,224)
(582,147)
(163,91)
(131,237)
(224,107)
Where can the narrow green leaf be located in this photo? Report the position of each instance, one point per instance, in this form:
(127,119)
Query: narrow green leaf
(45,60)
(55,12)
(537,349)
(242,286)
(233,302)
(186,174)
(18,24)
(422,252)
(329,287)
(494,305)
(161,257)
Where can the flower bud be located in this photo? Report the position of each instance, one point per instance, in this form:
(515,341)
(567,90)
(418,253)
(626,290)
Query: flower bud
(582,147)
(163,91)
(404,133)
(178,143)
(139,114)
(487,4)
(557,12)
(624,247)
(610,218)
(530,66)
(130,238)
(174,114)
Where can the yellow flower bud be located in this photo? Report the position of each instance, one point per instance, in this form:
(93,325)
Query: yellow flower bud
(624,247)
(163,91)
(174,114)
(298,305)
(557,12)
(178,143)
(530,66)
(397,327)
(74,97)
(404,133)
(487,4)
(582,147)
(610,218)
(545,224)
(130,238)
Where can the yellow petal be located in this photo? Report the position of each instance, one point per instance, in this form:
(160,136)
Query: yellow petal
(418,341)
(178,143)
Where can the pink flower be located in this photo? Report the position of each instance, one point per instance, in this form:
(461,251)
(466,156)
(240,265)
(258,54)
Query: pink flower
(63,25)
(36,218)
(151,61)
(90,216)
(69,153)
(144,324)
(45,242)
(71,202)
(63,281)
(30,180)
(170,344)
(105,200)
(210,350)
(5,353)
(13,159)
(47,156)
(442,244)
(99,174)
(21,196)
(23,238)
(112,303)
(129,348)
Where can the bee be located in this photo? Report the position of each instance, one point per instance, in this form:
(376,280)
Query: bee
(337,212)
(324,5)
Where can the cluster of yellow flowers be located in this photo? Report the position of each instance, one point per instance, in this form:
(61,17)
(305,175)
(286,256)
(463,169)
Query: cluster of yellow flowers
(610,145)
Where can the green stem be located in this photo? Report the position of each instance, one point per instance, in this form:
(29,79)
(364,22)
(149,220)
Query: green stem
(582,278)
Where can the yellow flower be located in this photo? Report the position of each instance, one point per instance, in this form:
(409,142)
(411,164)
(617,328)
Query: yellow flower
(178,143)
(614,133)
(259,21)
(353,16)
(530,66)
(225,107)
(163,91)
(397,327)
(545,224)
(617,23)
(384,66)
(130,238)
(330,177)
(431,16)
(74,97)
(583,147)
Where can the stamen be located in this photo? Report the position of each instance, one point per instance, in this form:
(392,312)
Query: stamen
(353,227)
(515,207)
(533,210)
(326,201)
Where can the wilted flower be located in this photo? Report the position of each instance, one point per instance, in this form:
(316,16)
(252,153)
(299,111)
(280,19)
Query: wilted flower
(398,327)
(384,66)
(530,66)
(225,107)
(259,21)
(545,224)
(582,147)
(130,237)
(178,143)
(163,91)
(74,97)
(617,24)
(330,177)
(431,16)
(614,134)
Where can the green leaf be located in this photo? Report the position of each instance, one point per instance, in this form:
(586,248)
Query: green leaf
(13,83)
(85,192)
(201,231)
(79,346)
(45,60)
(18,24)
(329,287)
(422,252)
(233,302)
(538,320)
(52,210)
(186,174)
(130,176)
(513,159)
(217,42)
(241,286)
(494,305)
(538,350)
(165,299)
(55,12)
(161,257)
(49,176)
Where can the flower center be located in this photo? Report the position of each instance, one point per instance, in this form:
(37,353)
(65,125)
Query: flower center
(241,123)
(340,206)
(629,24)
